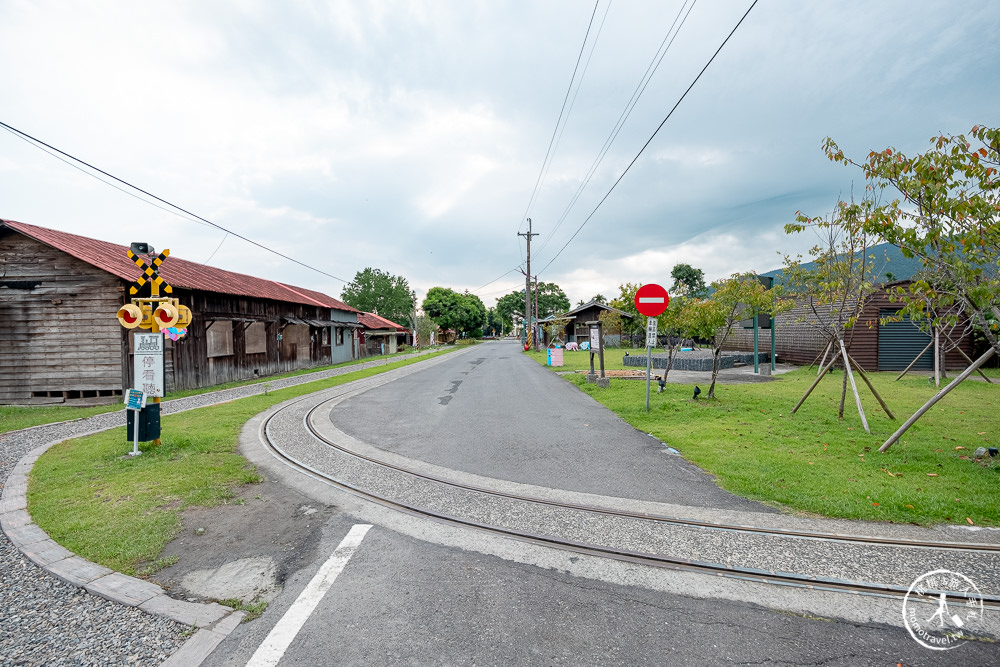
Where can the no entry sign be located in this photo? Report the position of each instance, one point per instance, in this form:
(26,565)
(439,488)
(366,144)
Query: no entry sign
(651,300)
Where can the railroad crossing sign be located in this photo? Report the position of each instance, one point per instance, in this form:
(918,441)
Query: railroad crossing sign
(651,300)
(149,272)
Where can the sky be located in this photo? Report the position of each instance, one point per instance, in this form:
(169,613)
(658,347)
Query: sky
(417,137)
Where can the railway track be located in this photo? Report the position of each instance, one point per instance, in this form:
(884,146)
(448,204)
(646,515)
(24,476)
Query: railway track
(348,470)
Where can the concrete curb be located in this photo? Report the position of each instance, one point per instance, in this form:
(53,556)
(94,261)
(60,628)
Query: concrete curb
(213,621)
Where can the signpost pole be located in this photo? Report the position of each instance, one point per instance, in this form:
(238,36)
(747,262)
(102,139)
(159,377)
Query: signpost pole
(649,366)
(651,300)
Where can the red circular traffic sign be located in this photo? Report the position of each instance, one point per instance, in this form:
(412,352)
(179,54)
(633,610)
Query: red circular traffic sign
(651,300)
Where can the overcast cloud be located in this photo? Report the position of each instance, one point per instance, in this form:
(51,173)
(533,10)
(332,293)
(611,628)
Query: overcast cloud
(408,136)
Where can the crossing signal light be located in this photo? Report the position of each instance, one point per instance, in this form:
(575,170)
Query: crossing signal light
(166,315)
(185,316)
(130,316)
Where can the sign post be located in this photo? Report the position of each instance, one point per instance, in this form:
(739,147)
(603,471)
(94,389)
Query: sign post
(135,400)
(651,300)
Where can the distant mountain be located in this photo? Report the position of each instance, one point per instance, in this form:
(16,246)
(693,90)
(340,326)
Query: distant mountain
(889,265)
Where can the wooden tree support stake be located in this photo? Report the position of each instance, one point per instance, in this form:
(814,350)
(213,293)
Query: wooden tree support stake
(915,360)
(854,387)
(826,351)
(966,357)
(878,398)
(937,397)
(822,374)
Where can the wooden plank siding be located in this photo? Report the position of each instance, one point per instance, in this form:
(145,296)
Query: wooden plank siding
(800,343)
(60,340)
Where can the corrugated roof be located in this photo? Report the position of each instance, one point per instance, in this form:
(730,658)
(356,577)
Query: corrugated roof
(177,272)
(373,321)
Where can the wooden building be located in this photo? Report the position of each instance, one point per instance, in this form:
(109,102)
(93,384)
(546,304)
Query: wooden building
(380,336)
(60,340)
(875,342)
(577,329)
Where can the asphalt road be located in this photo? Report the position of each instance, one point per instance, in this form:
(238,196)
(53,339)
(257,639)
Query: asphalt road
(414,593)
(495,412)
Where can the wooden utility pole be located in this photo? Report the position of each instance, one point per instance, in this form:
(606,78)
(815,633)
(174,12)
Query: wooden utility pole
(536,313)
(527,282)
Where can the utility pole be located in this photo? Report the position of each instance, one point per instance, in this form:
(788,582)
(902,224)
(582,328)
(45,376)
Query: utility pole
(536,312)
(527,282)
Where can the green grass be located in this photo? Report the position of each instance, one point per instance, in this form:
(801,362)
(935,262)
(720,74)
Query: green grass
(813,462)
(121,511)
(14,417)
(579,360)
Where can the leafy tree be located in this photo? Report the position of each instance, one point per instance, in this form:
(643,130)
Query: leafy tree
(375,291)
(552,300)
(425,326)
(510,305)
(625,302)
(494,325)
(946,212)
(833,292)
(464,313)
(943,208)
(736,298)
(612,322)
(688,281)
(475,315)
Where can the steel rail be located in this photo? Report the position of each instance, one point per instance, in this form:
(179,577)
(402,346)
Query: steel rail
(649,559)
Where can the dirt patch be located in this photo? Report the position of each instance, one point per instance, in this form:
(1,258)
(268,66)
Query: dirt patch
(266,521)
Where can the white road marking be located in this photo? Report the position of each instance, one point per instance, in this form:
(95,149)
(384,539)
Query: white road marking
(273,648)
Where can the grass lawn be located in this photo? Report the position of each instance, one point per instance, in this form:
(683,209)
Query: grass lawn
(121,512)
(812,461)
(13,417)
(579,360)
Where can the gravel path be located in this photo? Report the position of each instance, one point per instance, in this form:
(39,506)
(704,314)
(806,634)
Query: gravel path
(44,621)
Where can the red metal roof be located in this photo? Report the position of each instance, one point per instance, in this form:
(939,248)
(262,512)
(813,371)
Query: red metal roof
(177,272)
(373,321)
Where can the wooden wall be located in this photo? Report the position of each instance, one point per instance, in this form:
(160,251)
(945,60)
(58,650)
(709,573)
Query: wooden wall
(798,342)
(59,338)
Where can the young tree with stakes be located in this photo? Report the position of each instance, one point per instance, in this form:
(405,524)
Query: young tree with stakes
(946,212)
(834,292)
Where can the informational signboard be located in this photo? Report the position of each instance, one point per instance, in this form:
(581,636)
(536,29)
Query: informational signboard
(651,332)
(595,339)
(147,364)
(651,300)
(135,399)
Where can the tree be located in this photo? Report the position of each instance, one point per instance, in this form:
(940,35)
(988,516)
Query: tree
(834,290)
(736,298)
(944,209)
(552,300)
(465,313)
(510,305)
(494,325)
(375,291)
(625,302)
(688,281)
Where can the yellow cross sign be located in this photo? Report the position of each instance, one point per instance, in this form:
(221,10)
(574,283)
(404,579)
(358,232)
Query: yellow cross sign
(149,272)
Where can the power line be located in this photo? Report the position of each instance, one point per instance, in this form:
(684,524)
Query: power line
(555,130)
(40,143)
(655,132)
(25,139)
(496,279)
(654,64)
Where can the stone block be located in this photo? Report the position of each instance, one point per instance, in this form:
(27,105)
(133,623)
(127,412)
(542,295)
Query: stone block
(124,589)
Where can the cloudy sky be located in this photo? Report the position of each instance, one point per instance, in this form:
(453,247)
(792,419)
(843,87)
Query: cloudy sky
(409,136)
